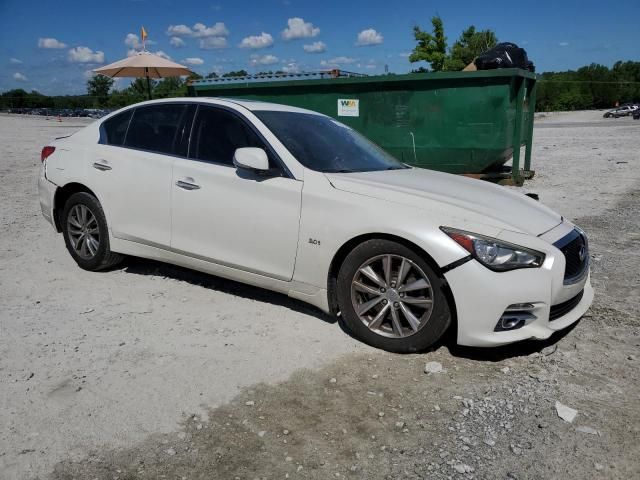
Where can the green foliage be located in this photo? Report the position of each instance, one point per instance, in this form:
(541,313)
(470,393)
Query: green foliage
(237,73)
(431,47)
(470,44)
(592,86)
(98,86)
(170,87)
(139,87)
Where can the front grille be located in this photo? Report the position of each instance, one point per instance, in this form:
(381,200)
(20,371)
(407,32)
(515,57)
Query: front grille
(563,308)
(575,248)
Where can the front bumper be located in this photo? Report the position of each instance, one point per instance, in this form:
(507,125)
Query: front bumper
(482,296)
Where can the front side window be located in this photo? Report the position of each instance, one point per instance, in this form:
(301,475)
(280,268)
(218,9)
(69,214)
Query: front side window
(114,129)
(217,134)
(325,145)
(155,128)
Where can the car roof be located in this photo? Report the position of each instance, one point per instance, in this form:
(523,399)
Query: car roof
(252,105)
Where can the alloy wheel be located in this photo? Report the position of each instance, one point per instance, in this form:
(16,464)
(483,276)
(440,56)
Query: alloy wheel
(392,296)
(83,231)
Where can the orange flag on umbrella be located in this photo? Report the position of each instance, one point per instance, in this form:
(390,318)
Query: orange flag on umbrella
(143,36)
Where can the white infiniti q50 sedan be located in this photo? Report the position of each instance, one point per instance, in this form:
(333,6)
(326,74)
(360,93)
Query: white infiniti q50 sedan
(296,202)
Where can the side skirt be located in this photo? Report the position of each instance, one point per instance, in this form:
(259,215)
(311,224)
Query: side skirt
(302,291)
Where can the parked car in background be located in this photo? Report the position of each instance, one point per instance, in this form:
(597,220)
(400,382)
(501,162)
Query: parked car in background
(623,111)
(294,201)
(636,114)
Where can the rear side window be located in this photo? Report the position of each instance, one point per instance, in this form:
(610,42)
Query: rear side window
(155,128)
(217,134)
(114,130)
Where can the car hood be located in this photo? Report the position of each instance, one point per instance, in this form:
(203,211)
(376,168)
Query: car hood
(487,203)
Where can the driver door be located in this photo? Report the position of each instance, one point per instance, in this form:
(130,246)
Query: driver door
(233,217)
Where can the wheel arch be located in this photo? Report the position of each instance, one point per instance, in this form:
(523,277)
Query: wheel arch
(348,246)
(62,195)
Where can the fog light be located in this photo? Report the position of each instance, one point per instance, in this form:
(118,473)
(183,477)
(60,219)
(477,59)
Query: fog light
(515,316)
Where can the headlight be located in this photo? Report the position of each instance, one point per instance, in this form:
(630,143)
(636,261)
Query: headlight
(495,254)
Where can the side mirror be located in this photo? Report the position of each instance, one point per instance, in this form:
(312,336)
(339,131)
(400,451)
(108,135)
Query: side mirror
(251,158)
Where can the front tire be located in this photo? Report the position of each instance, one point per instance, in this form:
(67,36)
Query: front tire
(391,298)
(86,235)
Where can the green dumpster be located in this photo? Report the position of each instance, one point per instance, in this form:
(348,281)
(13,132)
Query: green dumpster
(457,122)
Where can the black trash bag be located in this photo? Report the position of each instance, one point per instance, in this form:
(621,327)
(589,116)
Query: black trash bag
(504,55)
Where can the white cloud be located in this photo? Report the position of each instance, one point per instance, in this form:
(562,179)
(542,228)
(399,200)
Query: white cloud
(298,28)
(50,43)
(257,41)
(213,42)
(132,40)
(338,61)
(89,74)
(291,68)
(263,60)
(210,37)
(564,44)
(179,30)
(315,47)
(177,42)
(199,30)
(369,37)
(160,53)
(15,61)
(193,61)
(405,54)
(85,55)
(20,77)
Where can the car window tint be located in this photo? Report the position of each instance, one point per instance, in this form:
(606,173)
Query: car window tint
(114,129)
(217,134)
(326,145)
(155,127)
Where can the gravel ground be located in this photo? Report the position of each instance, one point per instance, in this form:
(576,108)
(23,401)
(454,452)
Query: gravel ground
(152,371)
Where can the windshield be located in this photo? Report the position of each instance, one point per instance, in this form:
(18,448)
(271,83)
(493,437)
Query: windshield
(325,145)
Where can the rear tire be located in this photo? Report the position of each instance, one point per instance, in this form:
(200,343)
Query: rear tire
(391,298)
(86,235)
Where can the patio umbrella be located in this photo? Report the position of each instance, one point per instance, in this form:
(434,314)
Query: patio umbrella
(144,65)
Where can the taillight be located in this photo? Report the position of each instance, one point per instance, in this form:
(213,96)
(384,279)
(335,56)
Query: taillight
(46,151)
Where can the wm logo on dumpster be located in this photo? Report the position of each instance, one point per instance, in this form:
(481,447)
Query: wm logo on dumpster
(348,107)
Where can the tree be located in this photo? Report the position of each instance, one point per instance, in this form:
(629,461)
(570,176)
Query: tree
(139,87)
(98,86)
(431,48)
(238,73)
(470,44)
(169,87)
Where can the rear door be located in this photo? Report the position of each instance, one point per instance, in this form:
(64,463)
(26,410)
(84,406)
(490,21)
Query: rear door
(133,170)
(233,217)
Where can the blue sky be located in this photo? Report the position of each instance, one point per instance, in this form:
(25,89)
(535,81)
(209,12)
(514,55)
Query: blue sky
(51,45)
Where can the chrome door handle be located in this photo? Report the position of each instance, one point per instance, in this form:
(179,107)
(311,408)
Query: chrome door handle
(101,166)
(187,185)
